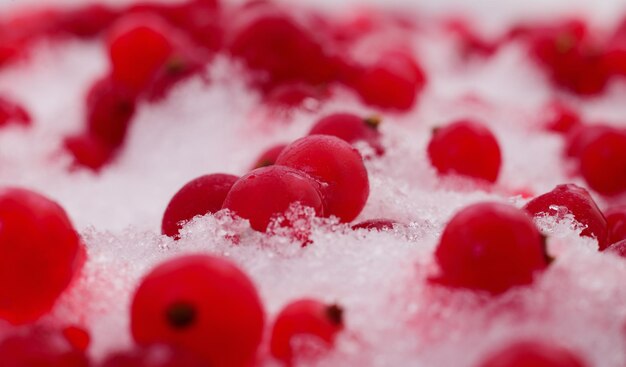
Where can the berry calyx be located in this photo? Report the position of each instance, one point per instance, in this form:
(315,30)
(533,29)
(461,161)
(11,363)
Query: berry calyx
(379,225)
(467,148)
(616,222)
(11,112)
(533,354)
(200,196)
(335,164)
(35,234)
(266,193)
(269,157)
(576,201)
(490,247)
(603,162)
(351,128)
(306,318)
(202,304)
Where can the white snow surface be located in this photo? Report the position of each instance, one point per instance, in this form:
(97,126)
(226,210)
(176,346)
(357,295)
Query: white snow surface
(393,316)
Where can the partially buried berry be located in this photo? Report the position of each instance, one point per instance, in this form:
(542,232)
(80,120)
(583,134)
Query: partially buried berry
(88,151)
(269,156)
(302,326)
(351,128)
(39,347)
(266,193)
(603,162)
(533,354)
(13,113)
(490,247)
(203,304)
(200,196)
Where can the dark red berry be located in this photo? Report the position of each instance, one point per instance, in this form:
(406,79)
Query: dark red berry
(11,112)
(379,225)
(467,148)
(603,162)
(533,354)
(580,136)
(40,348)
(269,157)
(616,221)
(200,196)
(490,247)
(268,192)
(88,151)
(560,118)
(351,128)
(154,356)
(306,318)
(576,201)
(202,304)
(618,248)
(337,166)
(35,234)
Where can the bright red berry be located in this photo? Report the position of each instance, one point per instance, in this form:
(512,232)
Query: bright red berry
(337,166)
(577,202)
(77,337)
(379,225)
(268,192)
(351,128)
(40,348)
(618,248)
(269,157)
(306,318)
(616,221)
(603,162)
(154,356)
(200,196)
(490,247)
(35,234)
(560,118)
(467,148)
(533,354)
(11,112)
(88,151)
(203,304)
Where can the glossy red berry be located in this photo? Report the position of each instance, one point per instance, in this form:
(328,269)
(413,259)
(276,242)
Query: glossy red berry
(269,157)
(202,304)
(533,354)
(268,192)
(200,196)
(309,320)
(467,148)
(379,225)
(351,128)
(337,166)
(574,200)
(40,348)
(13,113)
(616,222)
(603,162)
(490,247)
(618,248)
(560,118)
(88,151)
(35,234)
(154,356)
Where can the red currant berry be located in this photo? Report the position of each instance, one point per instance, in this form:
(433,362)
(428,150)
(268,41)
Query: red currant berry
(200,196)
(88,151)
(35,234)
(618,248)
(616,221)
(615,53)
(269,157)
(87,21)
(154,356)
(11,112)
(379,225)
(603,162)
(577,202)
(561,118)
(40,348)
(532,354)
(203,304)
(77,337)
(466,148)
(350,128)
(267,192)
(338,166)
(490,247)
(580,136)
(469,42)
(304,318)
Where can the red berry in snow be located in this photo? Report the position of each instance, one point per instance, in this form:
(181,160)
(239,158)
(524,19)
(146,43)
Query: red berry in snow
(337,166)
(308,319)
(618,248)
(577,202)
(202,304)
(10,112)
(603,162)
(350,128)
(77,337)
(154,356)
(560,118)
(269,157)
(268,192)
(616,222)
(35,234)
(40,348)
(469,42)
(294,95)
(580,136)
(87,21)
(466,148)
(393,82)
(490,247)
(533,354)
(200,196)
(379,225)
(88,151)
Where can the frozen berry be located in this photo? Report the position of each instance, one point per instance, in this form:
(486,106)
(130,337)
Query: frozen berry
(10,112)
(603,162)
(268,192)
(338,166)
(269,157)
(577,202)
(560,118)
(307,319)
(467,148)
(618,248)
(580,136)
(40,348)
(376,225)
(490,247)
(35,234)
(154,356)
(350,128)
(203,304)
(200,196)
(532,354)
(616,221)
